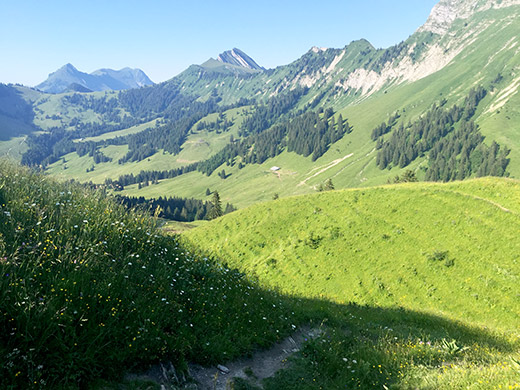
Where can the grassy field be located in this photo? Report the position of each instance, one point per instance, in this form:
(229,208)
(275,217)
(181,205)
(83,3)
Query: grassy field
(199,145)
(413,286)
(90,290)
(121,133)
(431,269)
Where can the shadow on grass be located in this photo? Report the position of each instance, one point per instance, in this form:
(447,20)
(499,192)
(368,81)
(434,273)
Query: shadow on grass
(376,347)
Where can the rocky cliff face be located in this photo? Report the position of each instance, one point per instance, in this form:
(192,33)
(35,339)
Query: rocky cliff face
(359,70)
(422,57)
(447,11)
(238,58)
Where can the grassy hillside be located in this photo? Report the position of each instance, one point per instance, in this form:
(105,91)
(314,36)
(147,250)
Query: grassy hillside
(476,51)
(351,162)
(89,290)
(199,145)
(445,252)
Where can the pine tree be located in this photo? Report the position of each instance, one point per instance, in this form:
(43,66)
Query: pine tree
(329,186)
(216,206)
(340,124)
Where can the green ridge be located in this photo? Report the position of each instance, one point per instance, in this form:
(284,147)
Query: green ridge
(444,251)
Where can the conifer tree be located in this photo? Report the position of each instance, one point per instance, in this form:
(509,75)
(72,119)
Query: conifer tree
(329,186)
(216,206)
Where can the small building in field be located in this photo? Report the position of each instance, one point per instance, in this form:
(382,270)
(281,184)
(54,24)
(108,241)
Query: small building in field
(275,168)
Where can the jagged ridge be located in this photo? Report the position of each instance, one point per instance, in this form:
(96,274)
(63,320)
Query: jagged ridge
(239,58)
(69,78)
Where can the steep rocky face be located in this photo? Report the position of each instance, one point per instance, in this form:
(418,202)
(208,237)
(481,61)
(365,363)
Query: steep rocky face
(434,46)
(359,70)
(239,58)
(447,11)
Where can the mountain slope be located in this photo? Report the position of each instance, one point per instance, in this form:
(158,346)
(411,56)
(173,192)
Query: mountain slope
(231,63)
(402,245)
(130,78)
(446,252)
(16,113)
(99,80)
(435,67)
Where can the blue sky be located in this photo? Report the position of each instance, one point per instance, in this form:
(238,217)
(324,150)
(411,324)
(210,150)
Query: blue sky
(164,37)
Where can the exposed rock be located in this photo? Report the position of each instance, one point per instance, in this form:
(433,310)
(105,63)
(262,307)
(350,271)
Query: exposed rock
(223,369)
(447,11)
(239,58)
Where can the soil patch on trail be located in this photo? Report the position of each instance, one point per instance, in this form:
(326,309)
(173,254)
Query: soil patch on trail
(262,364)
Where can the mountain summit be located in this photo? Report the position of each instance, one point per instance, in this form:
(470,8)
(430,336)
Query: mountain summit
(447,11)
(69,78)
(238,58)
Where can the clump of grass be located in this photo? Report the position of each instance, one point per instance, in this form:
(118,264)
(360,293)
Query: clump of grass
(438,255)
(88,289)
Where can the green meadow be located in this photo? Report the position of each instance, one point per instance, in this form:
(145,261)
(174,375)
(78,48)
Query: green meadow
(432,270)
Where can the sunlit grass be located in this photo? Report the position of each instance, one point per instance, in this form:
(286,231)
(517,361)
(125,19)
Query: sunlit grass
(421,279)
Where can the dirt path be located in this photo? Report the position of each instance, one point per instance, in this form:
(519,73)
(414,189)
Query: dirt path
(263,364)
(487,200)
(327,167)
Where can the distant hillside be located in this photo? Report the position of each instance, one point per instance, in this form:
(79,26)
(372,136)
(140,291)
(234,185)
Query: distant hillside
(16,113)
(68,78)
(456,78)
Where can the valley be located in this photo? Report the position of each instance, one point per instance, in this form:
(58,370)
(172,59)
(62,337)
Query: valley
(402,79)
(351,216)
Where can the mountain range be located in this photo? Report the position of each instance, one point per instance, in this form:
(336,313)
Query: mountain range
(226,115)
(370,279)
(68,78)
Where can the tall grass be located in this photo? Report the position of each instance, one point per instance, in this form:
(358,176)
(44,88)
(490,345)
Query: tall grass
(88,289)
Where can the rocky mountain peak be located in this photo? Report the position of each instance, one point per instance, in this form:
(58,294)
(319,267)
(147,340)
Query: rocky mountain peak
(447,11)
(239,58)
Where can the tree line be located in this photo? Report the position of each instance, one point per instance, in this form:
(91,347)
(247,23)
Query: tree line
(308,134)
(451,138)
(149,176)
(179,209)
